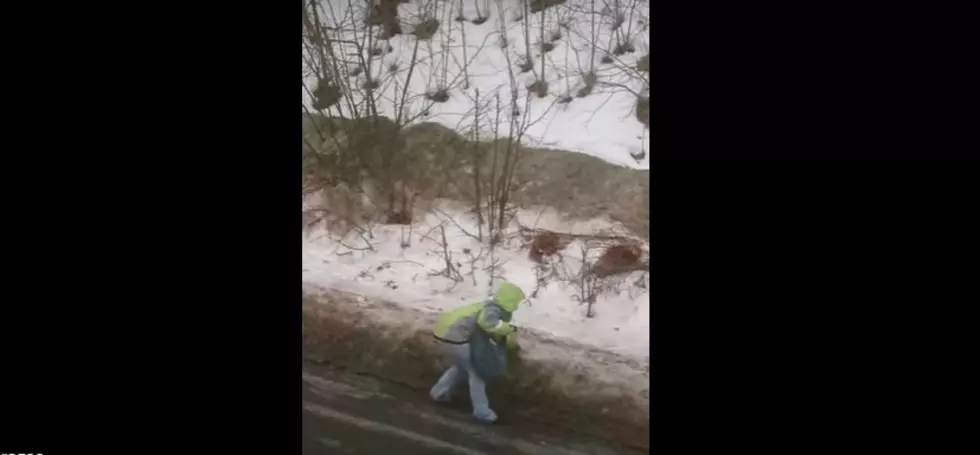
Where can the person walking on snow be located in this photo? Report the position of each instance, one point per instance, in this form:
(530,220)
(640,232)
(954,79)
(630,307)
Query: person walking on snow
(456,328)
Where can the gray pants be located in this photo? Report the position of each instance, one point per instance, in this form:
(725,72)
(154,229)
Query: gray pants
(461,370)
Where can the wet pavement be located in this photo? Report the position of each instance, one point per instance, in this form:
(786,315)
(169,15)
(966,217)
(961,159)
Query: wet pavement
(344,413)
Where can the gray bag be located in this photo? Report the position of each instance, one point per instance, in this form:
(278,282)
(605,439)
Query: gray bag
(489,358)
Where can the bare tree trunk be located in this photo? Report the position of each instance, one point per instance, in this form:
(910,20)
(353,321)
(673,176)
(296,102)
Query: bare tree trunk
(543,20)
(408,82)
(462,31)
(593,37)
(478,168)
(492,178)
(527,31)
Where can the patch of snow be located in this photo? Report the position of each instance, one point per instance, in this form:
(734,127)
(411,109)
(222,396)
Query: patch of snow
(601,124)
(410,275)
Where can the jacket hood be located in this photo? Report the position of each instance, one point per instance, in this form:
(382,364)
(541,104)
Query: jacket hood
(509,296)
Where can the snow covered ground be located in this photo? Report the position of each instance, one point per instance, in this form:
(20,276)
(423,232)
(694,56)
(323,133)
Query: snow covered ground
(404,265)
(472,63)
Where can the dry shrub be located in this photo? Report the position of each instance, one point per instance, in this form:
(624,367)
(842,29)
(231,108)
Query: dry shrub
(544,244)
(438,96)
(370,84)
(620,258)
(385,14)
(525,66)
(623,48)
(618,21)
(590,80)
(539,88)
(539,5)
(426,29)
(325,95)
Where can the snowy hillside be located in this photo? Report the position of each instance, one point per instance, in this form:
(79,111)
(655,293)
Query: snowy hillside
(477,66)
(437,264)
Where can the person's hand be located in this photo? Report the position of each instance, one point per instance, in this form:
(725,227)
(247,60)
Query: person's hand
(512,342)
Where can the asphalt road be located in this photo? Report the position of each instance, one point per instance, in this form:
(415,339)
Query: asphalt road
(345,413)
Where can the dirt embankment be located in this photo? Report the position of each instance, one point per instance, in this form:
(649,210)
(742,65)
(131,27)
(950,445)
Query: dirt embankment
(552,382)
(439,163)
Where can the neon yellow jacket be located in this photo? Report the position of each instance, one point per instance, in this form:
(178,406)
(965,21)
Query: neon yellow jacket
(491,316)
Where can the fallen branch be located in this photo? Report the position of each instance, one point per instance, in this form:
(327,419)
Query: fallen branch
(528,232)
(452,220)
(426,235)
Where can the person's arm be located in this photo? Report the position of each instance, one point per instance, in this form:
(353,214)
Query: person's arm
(490,321)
